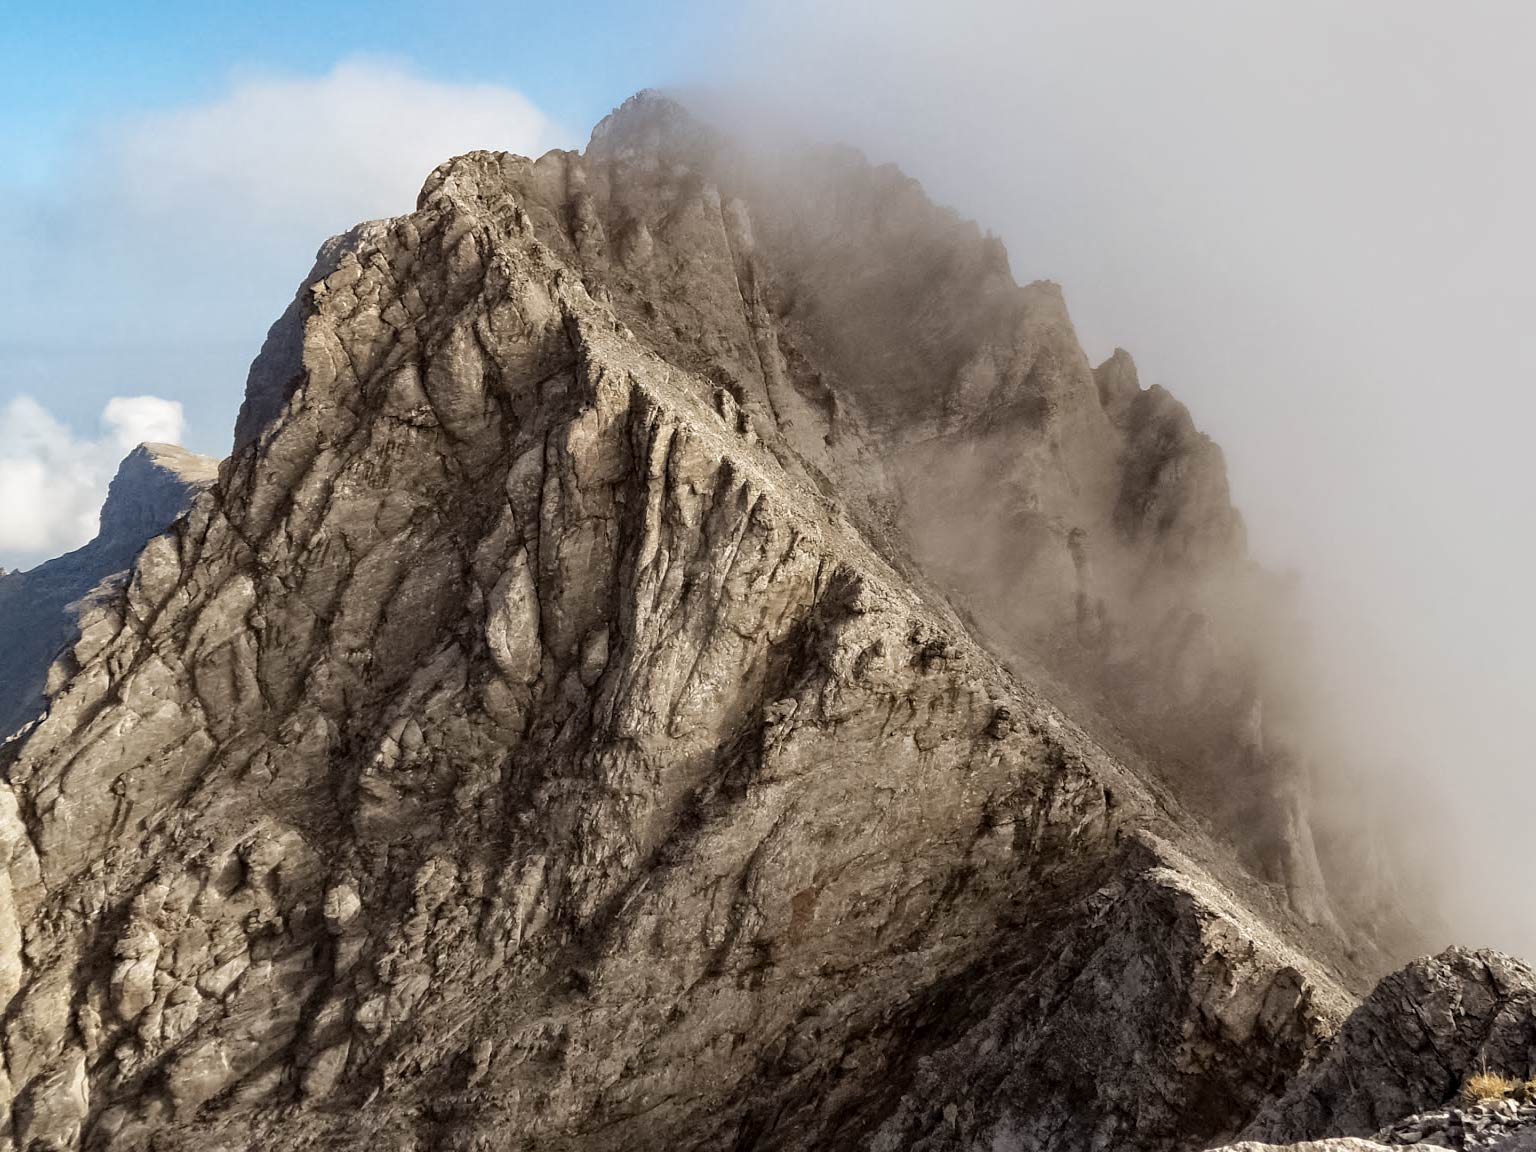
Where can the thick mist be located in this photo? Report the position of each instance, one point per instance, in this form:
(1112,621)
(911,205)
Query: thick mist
(1313,224)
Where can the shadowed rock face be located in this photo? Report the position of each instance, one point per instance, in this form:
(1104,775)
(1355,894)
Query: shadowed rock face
(1157,971)
(1411,1045)
(548,732)
(39,609)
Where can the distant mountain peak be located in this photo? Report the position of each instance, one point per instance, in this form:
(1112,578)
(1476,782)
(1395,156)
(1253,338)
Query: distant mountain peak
(154,484)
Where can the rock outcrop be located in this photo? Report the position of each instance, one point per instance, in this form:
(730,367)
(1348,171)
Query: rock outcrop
(1163,1012)
(40,608)
(1411,1046)
(554,731)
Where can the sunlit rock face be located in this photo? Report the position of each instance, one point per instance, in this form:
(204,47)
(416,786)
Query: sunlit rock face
(595,708)
(41,609)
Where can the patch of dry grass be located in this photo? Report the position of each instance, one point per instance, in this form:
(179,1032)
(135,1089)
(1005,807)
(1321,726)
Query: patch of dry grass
(1484,1087)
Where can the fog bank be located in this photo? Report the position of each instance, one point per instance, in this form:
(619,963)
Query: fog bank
(1312,224)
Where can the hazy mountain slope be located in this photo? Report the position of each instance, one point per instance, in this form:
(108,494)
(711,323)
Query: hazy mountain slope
(515,735)
(884,347)
(155,484)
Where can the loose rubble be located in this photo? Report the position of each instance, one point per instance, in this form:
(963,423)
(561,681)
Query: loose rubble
(1502,1124)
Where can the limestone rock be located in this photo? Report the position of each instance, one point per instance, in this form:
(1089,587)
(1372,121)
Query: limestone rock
(1164,1013)
(884,349)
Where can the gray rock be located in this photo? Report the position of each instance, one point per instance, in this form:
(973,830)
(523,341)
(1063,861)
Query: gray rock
(1082,521)
(1410,1047)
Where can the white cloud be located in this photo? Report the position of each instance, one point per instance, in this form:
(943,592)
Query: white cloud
(136,420)
(308,157)
(52,483)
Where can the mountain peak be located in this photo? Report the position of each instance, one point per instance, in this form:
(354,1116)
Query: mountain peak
(153,485)
(650,128)
(682,655)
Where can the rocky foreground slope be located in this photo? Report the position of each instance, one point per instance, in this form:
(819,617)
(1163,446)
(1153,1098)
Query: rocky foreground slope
(39,608)
(556,729)
(1397,1069)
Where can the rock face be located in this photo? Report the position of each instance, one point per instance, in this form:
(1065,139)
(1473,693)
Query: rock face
(885,350)
(1400,1068)
(1410,1047)
(40,609)
(1163,1012)
(552,731)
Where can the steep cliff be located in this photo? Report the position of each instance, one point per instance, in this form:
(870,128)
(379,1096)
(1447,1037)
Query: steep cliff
(554,730)
(882,345)
(39,608)
(1442,1054)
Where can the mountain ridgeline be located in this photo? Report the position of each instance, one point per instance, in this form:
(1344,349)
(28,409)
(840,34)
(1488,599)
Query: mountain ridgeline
(688,653)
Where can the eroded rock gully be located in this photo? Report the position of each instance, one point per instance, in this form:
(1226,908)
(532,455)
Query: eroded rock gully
(546,733)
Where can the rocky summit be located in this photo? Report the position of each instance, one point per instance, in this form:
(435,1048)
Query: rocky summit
(688,653)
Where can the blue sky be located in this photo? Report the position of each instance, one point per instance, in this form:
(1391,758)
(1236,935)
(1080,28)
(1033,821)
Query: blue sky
(72,74)
(65,66)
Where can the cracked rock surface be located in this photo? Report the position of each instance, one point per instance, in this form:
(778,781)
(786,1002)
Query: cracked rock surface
(1081,521)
